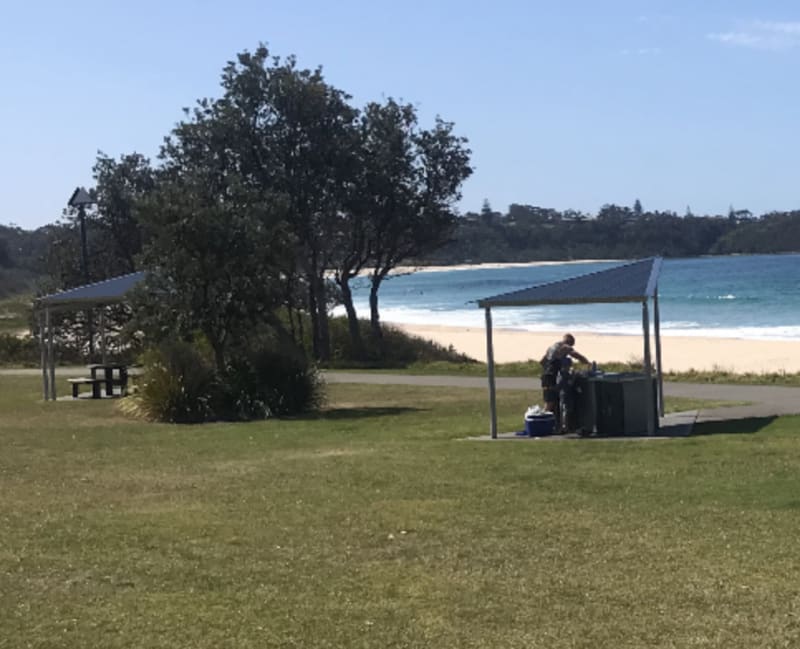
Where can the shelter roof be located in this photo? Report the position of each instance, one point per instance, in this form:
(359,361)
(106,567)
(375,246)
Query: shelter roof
(107,291)
(631,282)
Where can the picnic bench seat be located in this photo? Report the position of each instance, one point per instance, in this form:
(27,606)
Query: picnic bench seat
(96,384)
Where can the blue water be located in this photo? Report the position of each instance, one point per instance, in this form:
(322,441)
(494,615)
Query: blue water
(756,297)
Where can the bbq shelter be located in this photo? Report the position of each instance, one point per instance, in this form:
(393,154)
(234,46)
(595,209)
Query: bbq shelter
(89,296)
(634,282)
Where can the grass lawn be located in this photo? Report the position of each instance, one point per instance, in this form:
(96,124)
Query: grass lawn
(372,525)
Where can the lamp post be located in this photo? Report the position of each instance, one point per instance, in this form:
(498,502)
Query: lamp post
(80,198)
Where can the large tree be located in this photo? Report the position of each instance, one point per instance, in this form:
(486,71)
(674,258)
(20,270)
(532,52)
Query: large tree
(296,136)
(412,182)
(119,187)
(216,243)
(113,235)
(113,231)
(378,194)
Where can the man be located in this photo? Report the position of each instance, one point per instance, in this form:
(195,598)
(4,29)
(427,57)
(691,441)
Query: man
(552,363)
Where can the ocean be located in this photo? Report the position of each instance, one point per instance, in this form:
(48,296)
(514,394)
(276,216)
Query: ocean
(749,296)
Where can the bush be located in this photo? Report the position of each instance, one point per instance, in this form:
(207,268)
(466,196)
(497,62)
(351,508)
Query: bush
(264,382)
(177,384)
(397,349)
(180,385)
(19,350)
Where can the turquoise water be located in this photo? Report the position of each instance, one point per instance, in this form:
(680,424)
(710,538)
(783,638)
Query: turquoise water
(755,297)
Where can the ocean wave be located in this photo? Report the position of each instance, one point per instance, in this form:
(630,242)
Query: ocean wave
(716,298)
(533,321)
(751,298)
(747,333)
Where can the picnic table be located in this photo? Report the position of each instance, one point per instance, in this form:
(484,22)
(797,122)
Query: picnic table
(102,374)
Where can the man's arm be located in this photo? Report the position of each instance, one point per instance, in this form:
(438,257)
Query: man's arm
(578,356)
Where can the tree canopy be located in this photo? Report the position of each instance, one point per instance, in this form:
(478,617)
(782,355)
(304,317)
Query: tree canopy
(264,196)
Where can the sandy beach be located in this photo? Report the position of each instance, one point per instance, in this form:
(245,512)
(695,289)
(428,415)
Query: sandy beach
(402,270)
(405,270)
(678,353)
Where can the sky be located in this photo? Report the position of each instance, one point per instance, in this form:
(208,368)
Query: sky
(570,105)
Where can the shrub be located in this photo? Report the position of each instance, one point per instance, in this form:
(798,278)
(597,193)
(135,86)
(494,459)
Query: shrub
(396,349)
(180,385)
(177,384)
(268,382)
(19,350)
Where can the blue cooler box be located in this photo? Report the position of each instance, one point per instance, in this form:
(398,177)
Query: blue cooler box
(540,425)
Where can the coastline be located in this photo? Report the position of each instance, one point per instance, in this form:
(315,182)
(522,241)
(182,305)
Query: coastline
(401,270)
(678,353)
(406,270)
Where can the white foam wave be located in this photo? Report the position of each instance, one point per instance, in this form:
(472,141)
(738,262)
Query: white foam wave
(537,321)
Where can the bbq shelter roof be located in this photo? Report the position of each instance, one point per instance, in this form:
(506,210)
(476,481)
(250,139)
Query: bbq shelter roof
(632,282)
(107,291)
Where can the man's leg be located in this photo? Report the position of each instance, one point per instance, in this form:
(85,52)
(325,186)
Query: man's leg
(550,393)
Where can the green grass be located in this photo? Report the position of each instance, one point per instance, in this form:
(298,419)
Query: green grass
(376,525)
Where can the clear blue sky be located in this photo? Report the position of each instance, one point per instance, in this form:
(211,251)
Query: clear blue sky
(566,104)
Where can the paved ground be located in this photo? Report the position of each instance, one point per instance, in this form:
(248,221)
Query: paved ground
(763,400)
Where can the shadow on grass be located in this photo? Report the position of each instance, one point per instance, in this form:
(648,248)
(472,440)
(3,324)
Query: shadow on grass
(746,426)
(359,413)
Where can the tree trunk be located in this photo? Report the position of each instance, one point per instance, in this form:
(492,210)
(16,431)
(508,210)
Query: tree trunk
(352,319)
(219,353)
(314,314)
(374,316)
(322,321)
(301,331)
(289,302)
(290,315)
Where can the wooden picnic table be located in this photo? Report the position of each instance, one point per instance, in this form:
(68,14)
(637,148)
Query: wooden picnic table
(107,370)
(102,374)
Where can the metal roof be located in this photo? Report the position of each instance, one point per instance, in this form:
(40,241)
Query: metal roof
(632,282)
(107,291)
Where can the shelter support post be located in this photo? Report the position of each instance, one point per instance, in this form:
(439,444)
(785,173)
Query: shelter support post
(648,370)
(490,365)
(659,368)
(43,350)
(51,357)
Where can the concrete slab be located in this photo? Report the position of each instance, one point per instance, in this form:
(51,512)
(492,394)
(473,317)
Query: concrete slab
(672,426)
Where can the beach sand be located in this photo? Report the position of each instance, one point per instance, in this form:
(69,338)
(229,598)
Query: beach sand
(402,270)
(679,353)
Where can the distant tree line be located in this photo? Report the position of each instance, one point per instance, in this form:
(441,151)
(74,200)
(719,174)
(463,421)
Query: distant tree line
(21,255)
(528,233)
(523,233)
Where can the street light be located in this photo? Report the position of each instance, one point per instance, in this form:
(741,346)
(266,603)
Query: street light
(80,198)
